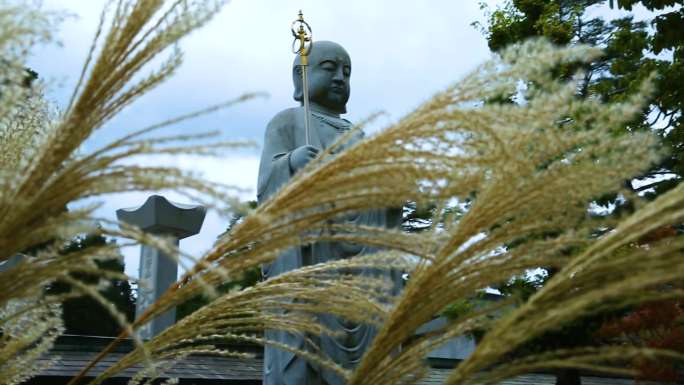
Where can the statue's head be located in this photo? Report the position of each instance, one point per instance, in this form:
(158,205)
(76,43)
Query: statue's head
(328,76)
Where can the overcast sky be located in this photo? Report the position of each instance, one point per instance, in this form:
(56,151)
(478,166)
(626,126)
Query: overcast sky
(402,52)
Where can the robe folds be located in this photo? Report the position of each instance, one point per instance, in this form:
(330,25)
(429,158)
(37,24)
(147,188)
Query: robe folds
(285,133)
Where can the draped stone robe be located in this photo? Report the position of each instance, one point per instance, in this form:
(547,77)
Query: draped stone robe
(285,133)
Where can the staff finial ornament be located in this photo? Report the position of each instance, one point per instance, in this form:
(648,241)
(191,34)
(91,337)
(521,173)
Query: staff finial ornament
(301,45)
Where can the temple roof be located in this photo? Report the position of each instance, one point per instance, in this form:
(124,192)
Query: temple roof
(72,353)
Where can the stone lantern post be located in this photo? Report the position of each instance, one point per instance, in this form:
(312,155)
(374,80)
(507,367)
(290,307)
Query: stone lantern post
(158,271)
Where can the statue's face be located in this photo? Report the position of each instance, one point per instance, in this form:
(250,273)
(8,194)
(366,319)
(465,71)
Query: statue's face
(329,73)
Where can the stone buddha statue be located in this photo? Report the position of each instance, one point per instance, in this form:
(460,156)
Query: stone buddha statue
(285,152)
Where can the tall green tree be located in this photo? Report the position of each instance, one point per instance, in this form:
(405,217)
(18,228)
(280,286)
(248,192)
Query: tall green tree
(633,51)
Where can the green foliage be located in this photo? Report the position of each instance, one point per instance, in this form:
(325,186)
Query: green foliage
(521,288)
(248,277)
(417,218)
(558,21)
(633,50)
(458,308)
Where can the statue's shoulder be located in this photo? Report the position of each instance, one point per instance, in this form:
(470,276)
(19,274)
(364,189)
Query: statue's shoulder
(284,120)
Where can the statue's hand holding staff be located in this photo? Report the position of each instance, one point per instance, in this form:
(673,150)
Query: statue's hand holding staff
(301,156)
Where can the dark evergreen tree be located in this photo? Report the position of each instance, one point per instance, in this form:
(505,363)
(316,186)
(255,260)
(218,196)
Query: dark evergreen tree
(84,315)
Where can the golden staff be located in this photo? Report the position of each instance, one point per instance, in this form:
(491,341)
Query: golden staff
(303,38)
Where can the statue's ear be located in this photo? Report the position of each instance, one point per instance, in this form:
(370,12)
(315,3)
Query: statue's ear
(297,80)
